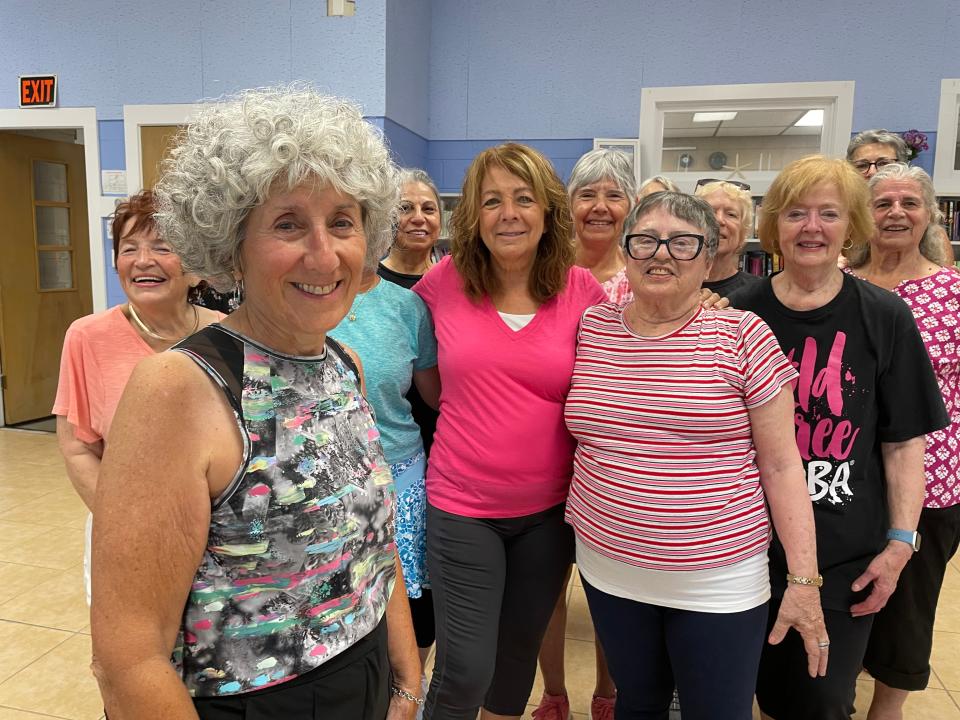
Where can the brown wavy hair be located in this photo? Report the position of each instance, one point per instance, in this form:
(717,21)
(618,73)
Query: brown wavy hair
(800,177)
(555,251)
(141,208)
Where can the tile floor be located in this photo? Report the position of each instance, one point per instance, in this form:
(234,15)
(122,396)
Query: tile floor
(44,627)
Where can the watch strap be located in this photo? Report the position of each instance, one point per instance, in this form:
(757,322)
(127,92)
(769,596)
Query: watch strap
(910,537)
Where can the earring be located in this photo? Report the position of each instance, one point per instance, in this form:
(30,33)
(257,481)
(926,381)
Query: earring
(237,294)
(847,245)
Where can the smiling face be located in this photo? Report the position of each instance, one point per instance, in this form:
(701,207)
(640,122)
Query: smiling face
(729,214)
(900,213)
(662,278)
(149,270)
(872,153)
(419,227)
(813,229)
(598,213)
(511,220)
(301,260)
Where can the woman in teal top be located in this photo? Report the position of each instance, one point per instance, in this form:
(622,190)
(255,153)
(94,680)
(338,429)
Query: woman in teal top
(390,328)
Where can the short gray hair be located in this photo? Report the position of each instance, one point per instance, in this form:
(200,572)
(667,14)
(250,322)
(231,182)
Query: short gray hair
(930,243)
(689,208)
(879,136)
(604,164)
(241,148)
(666,182)
(416,175)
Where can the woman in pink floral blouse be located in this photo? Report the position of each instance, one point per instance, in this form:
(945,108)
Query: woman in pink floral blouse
(906,256)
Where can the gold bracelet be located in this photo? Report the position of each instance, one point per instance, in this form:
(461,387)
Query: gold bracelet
(801,580)
(400,692)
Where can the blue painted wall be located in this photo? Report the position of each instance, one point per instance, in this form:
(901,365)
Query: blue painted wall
(109,53)
(557,69)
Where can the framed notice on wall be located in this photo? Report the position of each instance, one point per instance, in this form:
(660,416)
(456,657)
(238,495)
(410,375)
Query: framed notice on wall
(630,146)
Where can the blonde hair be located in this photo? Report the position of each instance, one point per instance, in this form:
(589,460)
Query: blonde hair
(555,251)
(799,178)
(743,198)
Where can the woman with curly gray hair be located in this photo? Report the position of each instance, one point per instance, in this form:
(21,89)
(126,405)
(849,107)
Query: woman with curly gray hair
(244,515)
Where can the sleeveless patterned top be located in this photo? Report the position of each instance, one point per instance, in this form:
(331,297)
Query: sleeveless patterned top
(299,562)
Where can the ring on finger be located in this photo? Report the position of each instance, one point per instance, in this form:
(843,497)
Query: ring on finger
(823,645)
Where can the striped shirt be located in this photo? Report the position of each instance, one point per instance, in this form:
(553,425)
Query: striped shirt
(664,473)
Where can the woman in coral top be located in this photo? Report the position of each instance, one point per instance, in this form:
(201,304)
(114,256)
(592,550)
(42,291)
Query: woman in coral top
(506,305)
(101,350)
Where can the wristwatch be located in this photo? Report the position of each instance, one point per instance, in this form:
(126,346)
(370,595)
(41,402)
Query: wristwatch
(910,537)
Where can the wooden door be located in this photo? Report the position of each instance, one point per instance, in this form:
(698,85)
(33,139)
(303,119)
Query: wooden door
(155,143)
(44,266)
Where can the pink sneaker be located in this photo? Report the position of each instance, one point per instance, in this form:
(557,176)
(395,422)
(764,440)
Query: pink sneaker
(601,708)
(553,707)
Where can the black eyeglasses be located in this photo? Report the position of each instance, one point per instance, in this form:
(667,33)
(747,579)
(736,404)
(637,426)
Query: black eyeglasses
(681,247)
(706,181)
(863,166)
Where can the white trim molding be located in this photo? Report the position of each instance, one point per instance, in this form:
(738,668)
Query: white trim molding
(834,98)
(137,116)
(86,120)
(946,174)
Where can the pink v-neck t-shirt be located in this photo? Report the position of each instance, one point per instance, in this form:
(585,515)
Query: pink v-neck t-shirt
(501,448)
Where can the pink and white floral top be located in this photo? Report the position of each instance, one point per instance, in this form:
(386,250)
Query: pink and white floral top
(935,304)
(617,288)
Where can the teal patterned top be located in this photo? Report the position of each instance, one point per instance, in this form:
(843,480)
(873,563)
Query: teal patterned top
(299,563)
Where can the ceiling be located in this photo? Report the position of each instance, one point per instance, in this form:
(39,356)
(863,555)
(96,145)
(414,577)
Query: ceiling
(747,123)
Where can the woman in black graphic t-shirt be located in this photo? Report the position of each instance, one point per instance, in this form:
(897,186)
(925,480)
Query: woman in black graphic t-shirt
(865,398)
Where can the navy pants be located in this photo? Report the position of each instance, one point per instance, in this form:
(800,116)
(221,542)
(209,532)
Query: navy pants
(711,657)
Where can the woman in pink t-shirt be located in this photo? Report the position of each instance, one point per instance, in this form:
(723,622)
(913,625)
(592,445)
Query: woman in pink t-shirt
(101,350)
(906,256)
(505,305)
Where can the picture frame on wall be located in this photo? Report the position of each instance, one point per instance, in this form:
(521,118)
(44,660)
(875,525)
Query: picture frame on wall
(630,146)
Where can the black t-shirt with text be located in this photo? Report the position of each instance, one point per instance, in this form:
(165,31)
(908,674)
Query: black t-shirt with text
(865,379)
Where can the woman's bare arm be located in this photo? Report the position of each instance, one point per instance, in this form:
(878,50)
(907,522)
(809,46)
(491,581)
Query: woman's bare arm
(172,440)
(782,478)
(427,383)
(81,459)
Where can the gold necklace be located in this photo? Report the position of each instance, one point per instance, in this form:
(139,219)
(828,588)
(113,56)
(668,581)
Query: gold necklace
(352,317)
(156,336)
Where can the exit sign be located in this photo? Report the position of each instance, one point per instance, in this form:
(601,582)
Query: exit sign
(38,91)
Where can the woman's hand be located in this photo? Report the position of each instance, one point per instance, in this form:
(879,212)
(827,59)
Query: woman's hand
(709,299)
(800,610)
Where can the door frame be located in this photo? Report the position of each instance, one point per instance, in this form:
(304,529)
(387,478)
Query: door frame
(137,116)
(98,206)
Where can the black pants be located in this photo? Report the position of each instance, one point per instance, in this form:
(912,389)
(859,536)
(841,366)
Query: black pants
(785,691)
(712,657)
(354,685)
(495,584)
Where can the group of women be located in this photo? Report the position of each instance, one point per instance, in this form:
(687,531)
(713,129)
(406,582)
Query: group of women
(276,512)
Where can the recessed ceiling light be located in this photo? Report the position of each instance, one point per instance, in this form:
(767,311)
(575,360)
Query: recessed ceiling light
(811,118)
(713,116)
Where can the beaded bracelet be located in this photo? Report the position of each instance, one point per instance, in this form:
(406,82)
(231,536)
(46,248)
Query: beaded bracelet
(400,692)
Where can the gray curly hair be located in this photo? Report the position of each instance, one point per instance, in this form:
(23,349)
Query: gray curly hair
(242,148)
(930,244)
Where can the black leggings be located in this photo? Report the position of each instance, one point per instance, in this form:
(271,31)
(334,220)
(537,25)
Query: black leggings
(424,625)
(495,584)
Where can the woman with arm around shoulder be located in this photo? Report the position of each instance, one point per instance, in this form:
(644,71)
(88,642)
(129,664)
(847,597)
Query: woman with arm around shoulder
(101,350)
(505,307)
(865,398)
(678,412)
(905,255)
(244,510)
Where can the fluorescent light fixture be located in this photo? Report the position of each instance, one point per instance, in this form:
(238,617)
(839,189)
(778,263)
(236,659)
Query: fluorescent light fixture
(811,118)
(713,116)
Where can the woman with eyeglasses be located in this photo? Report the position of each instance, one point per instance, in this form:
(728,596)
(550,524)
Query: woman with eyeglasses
(865,398)
(872,150)
(679,414)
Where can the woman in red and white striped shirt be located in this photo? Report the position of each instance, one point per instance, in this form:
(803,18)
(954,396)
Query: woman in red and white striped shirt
(681,416)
